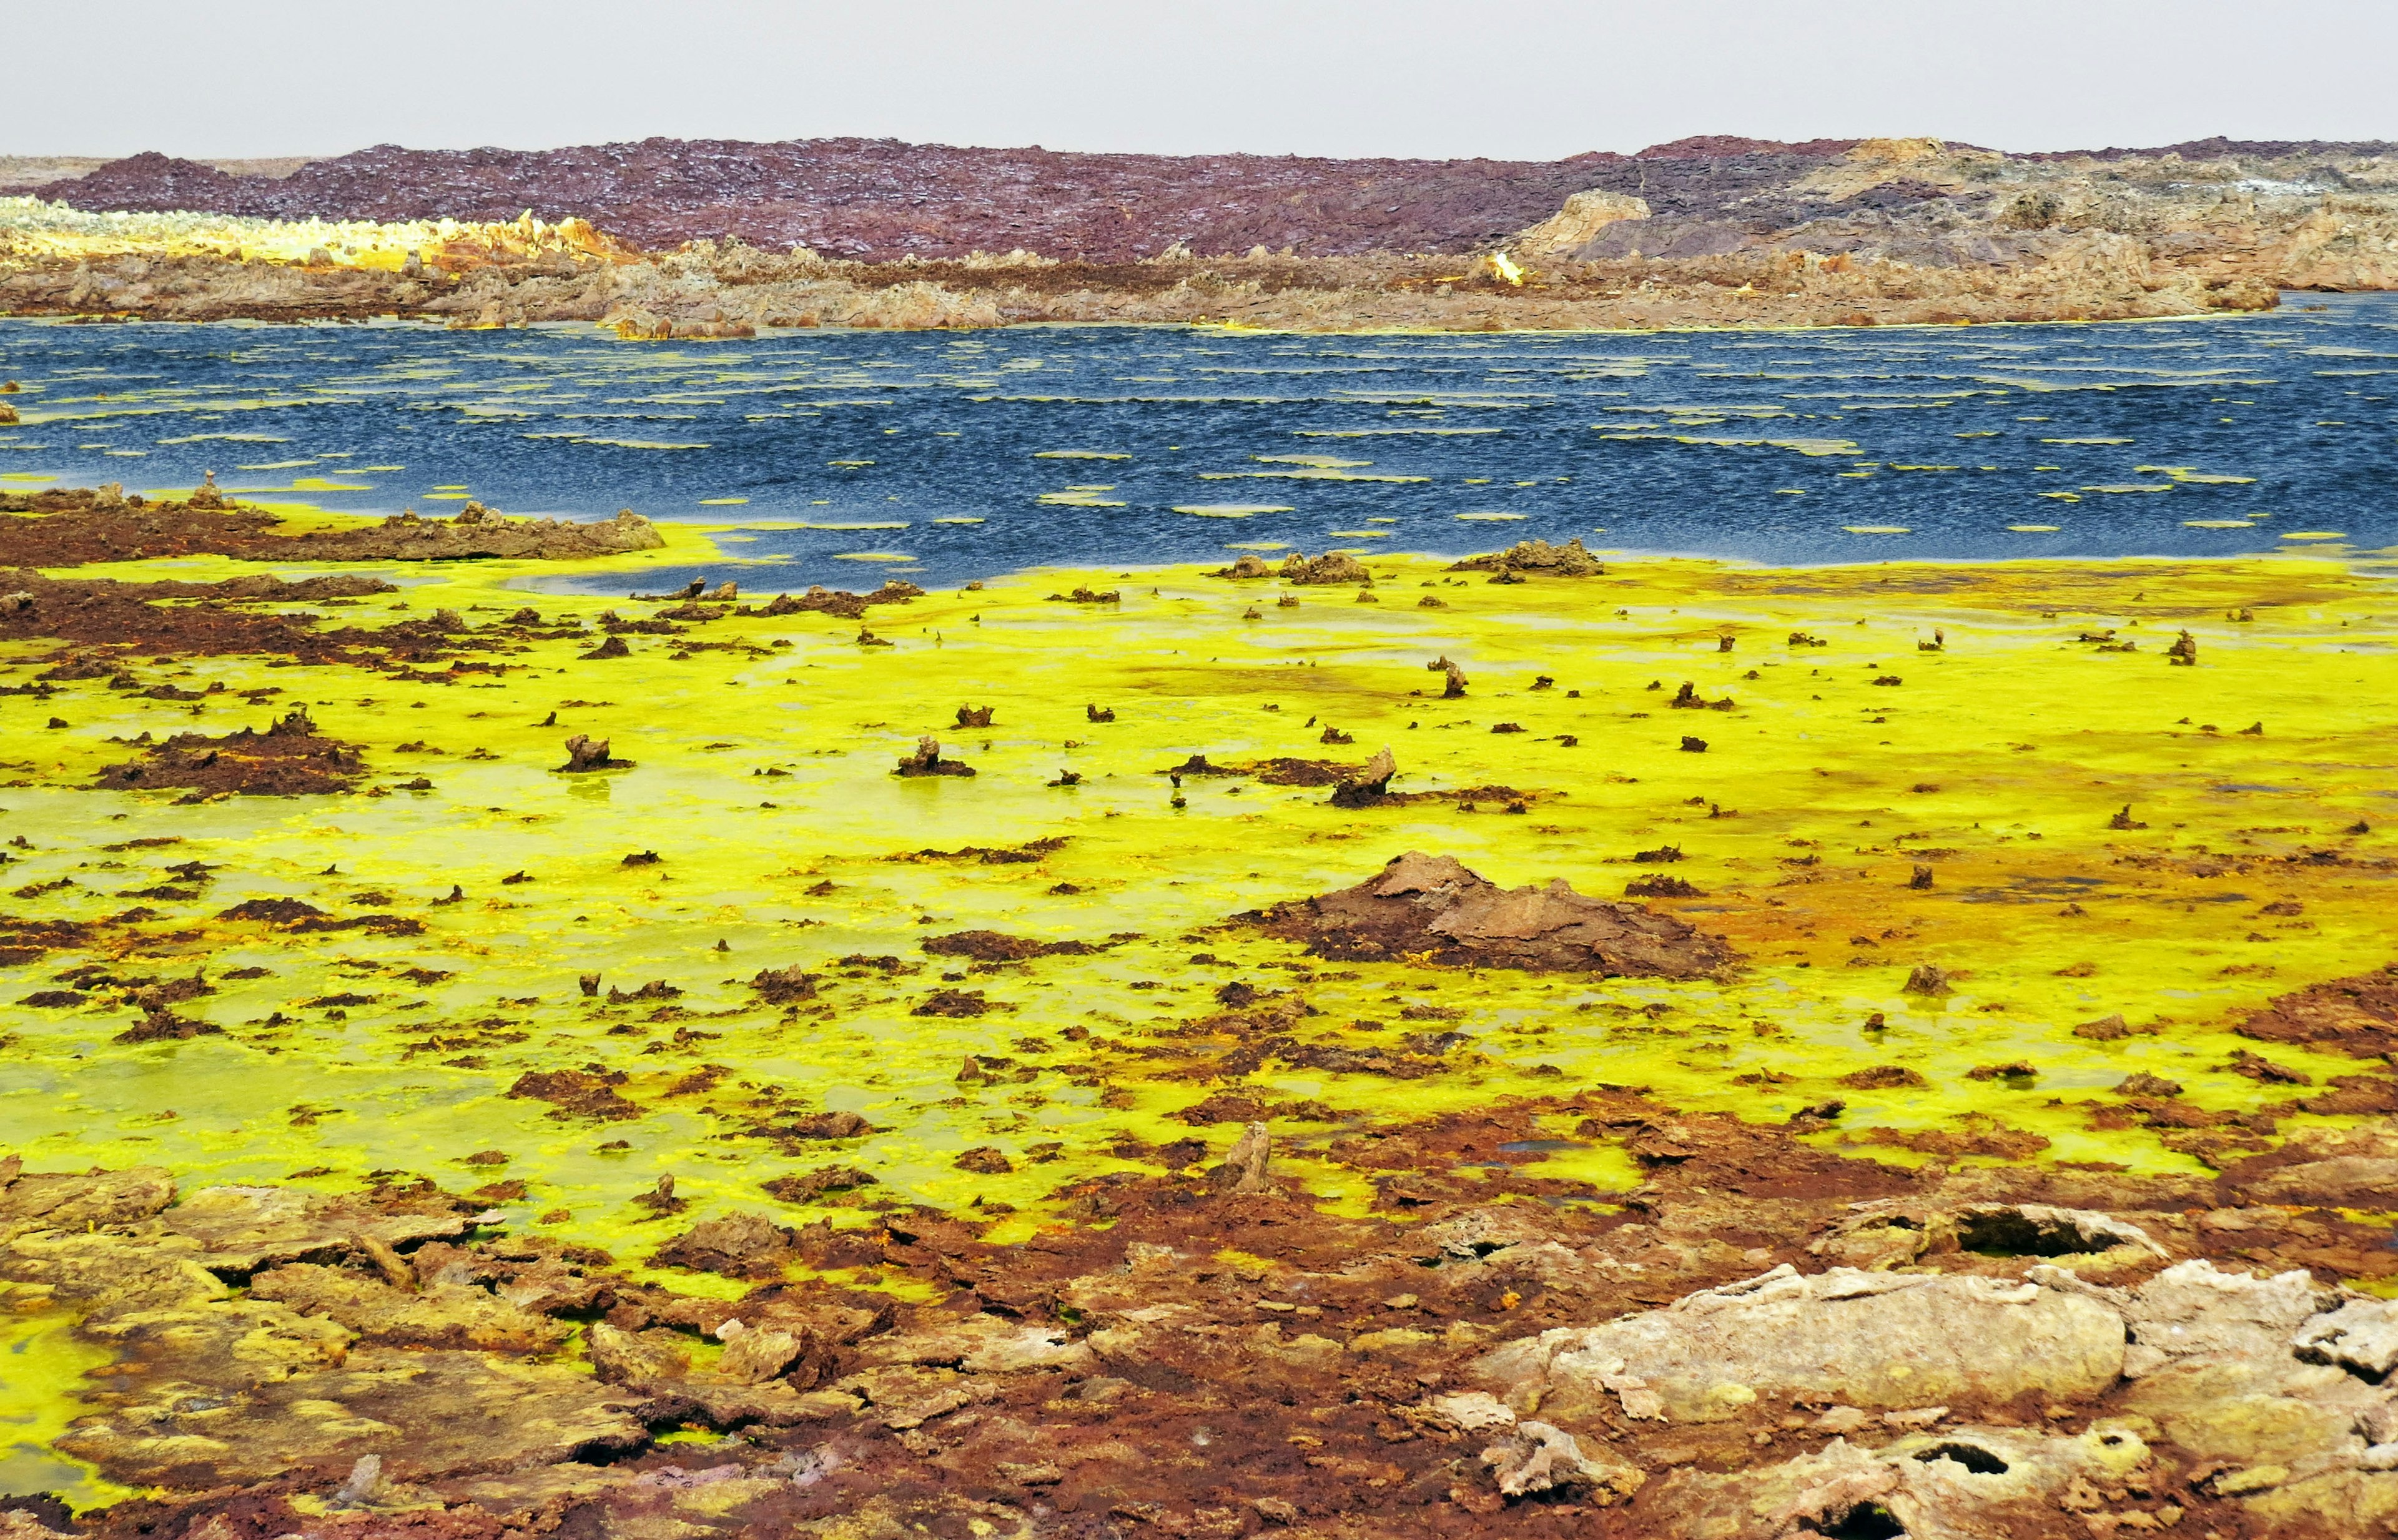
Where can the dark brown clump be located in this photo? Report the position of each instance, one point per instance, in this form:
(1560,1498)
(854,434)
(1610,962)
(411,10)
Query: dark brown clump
(288,759)
(1028,854)
(808,1186)
(1423,905)
(161,1025)
(927,761)
(576,1093)
(782,986)
(1368,785)
(738,1246)
(993,946)
(274,912)
(585,753)
(1883,1077)
(833,1124)
(839,603)
(952,1002)
(1660,886)
(2356,1016)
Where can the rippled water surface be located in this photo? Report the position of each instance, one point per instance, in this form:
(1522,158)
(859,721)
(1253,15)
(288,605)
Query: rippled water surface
(958,455)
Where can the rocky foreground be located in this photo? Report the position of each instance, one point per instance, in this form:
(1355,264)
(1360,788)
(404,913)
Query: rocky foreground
(1764,1340)
(711,239)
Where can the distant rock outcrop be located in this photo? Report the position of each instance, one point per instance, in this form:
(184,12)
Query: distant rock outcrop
(1578,224)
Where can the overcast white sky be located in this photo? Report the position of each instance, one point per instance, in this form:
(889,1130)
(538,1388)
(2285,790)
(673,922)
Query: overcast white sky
(1533,79)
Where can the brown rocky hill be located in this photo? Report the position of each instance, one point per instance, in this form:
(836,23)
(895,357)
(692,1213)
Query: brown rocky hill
(880,199)
(716,238)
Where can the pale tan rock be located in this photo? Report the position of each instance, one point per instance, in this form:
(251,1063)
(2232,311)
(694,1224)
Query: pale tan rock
(427,1414)
(753,1357)
(1872,1339)
(441,1314)
(109,1273)
(1578,224)
(47,1200)
(1970,1483)
(982,1345)
(2362,1335)
(1537,1457)
(906,1395)
(242,1229)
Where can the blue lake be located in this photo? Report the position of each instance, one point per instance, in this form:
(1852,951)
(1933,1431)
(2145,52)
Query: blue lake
(950,456)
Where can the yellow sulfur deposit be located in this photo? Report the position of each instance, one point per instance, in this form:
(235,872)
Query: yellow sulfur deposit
(1992,773)
(33,230)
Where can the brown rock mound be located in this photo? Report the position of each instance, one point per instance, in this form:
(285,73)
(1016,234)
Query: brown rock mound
(839,603)
(2358,1016)
(1331,567)
(290,759)
(1432,906)
(993,946)
(477,532)
(1566,560)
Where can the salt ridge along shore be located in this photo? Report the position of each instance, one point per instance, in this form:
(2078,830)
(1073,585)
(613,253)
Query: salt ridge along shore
(1739,233)
(1359,1044)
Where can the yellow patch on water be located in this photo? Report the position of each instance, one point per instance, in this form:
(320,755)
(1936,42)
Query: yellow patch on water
(1308,473)
(1076,455)
(1489,518)
(2033,529)
(2219,524)
(1231,511)
(2314,534)
(720,502)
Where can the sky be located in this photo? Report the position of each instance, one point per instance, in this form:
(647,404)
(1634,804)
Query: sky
(1532,80)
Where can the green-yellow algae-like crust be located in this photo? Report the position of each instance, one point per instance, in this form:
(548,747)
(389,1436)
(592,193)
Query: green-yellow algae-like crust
(1904,765)
(47,1365)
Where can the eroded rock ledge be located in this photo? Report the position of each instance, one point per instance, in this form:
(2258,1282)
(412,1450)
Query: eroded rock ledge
(1764,1340)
